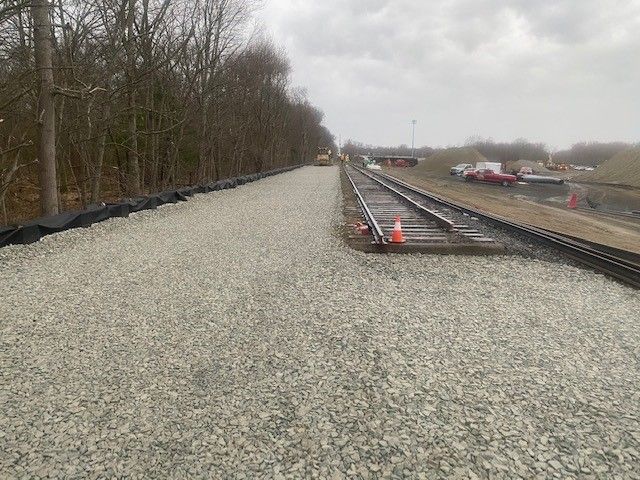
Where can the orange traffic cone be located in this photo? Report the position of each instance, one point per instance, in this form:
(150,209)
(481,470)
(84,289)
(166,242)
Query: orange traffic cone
(396,235)
(573,201)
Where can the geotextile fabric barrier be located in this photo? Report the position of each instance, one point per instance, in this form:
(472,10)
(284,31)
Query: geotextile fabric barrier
(36,229)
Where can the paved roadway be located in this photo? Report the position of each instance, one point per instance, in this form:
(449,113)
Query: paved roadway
(236,336)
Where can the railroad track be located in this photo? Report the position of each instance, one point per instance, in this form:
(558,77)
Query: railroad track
(610,213)
(424,228)
(620,264)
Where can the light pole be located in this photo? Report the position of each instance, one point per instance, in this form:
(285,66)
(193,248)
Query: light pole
(413,138)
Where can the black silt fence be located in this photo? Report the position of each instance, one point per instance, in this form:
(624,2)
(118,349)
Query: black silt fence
(36,229)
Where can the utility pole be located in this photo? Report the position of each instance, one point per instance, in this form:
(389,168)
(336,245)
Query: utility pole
(413,138)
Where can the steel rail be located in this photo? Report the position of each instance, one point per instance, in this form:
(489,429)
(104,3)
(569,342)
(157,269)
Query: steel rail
(607,213)
(376,231)
(630,257)
(438,219)
(594,255)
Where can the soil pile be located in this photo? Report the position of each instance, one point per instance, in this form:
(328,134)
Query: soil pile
(535,166)
(621,169)
(443,160)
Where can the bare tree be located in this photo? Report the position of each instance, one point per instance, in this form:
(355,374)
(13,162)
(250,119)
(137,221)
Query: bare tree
(10,164)
(46,114)
(148,94)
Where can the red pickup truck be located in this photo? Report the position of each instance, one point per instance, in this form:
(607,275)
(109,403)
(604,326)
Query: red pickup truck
(484,175)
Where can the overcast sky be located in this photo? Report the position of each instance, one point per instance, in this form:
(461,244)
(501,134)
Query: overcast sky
(557,71)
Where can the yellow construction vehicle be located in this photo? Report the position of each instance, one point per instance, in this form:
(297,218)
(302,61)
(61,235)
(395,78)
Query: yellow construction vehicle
(324,156)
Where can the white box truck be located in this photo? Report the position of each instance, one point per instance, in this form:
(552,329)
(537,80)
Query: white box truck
(495,166)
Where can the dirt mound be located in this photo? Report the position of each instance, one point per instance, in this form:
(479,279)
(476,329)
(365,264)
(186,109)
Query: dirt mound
(443,160)
(535,166)
(621,169)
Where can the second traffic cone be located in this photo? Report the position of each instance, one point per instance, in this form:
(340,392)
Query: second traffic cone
(573,201)
(396,235)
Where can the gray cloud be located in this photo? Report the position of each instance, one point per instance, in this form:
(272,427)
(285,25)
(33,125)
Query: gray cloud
(557,71)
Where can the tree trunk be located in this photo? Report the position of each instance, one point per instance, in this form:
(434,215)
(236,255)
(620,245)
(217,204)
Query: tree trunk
(46,121)
(133,170)
(97,174)
(5,217)
(103,129)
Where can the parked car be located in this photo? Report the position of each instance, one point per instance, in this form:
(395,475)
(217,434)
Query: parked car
(485,175)
(459,169)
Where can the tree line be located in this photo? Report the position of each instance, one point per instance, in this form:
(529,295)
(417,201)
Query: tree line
(353,147)
(503,152)
(584,153)
(592,153)
(101,99)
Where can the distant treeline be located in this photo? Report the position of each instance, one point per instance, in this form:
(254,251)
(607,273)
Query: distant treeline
(588,154)
(510,152)
(352,147)
(591,154)
(102,99)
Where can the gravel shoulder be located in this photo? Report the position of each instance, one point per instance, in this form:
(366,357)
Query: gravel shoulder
(237,336)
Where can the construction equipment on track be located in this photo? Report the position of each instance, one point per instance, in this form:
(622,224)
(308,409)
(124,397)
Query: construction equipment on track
(324,156)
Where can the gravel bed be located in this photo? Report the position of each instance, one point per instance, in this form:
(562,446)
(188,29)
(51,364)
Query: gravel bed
(237,336)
